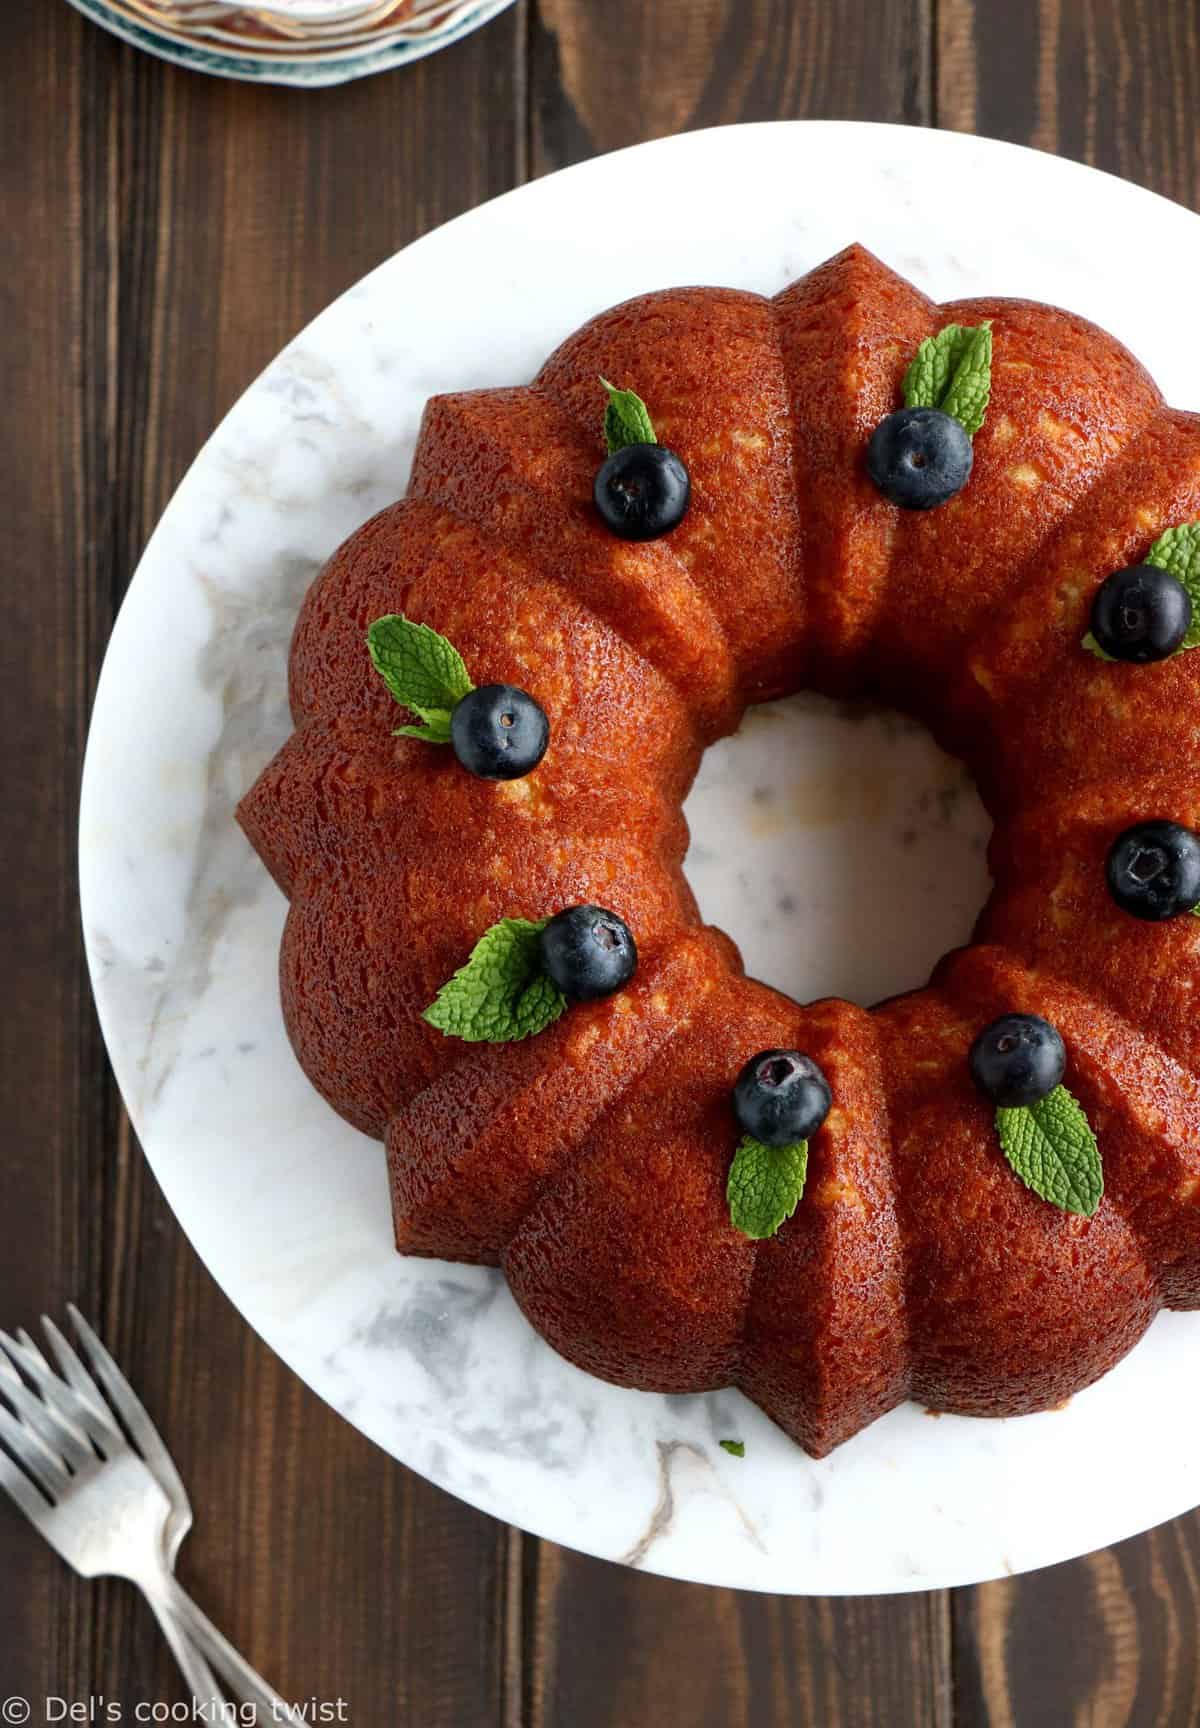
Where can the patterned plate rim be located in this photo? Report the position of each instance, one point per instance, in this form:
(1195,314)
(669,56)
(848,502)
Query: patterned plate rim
(249,69)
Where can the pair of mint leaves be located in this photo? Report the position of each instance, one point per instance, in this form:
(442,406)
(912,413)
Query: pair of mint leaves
(1050,1145)
(501,995)
(424,672)
(1178,550)
(952,372)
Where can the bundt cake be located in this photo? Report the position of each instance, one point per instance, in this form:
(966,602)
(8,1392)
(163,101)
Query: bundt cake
(977,1195)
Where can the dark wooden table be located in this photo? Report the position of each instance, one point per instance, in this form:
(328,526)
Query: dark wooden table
(163,234)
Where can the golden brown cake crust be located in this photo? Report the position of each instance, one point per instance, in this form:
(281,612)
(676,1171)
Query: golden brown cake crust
(590,1163)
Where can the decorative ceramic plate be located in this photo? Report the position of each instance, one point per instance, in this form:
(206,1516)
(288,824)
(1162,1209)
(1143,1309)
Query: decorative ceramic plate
(310,70)
(860,868)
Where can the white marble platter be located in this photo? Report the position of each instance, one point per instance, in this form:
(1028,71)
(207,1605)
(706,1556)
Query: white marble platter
(806,818)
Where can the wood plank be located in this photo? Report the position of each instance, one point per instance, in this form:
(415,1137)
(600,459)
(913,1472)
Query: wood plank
(52,1095)
(1109,82)
(173,231)
(617,1648)
(1111,1638)
(1105,1640)
(607,73)
(607,1645)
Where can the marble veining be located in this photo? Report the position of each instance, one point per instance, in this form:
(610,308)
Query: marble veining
(838,845)
(847,818)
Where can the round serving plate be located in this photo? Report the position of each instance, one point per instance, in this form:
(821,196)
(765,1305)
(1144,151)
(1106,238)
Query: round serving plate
(840,849)
(312,70)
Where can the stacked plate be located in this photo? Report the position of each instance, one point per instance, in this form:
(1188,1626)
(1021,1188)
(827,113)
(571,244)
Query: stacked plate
(298,42)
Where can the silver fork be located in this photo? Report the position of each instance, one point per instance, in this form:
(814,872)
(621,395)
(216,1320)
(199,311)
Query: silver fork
(97,1502)
(107,1383)
(111,1385)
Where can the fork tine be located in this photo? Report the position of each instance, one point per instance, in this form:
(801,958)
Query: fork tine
(102,1429)
(128,1406)
(33,1415)
(10,1378)
(52,1417)
(49,1476)
(20,1489)
(31,1344)
(73,1373)
(65,1402)
(39,1420)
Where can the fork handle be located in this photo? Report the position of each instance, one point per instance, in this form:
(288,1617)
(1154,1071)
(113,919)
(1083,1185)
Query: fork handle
(197,1674)
(249,1686)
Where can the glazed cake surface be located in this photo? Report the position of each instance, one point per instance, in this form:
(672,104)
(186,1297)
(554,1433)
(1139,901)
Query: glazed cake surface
(590,1162)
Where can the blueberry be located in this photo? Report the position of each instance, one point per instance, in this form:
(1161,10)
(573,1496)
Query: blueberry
(499,733)
(588,952)
(919,457)
(1018,1059)
(1154,870)
(642,491)
(781,1097)
(1141,613)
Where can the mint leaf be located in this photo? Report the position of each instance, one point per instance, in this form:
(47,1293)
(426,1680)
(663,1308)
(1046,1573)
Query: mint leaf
(1093,647)
(1178,550)
(928,375)
(953,372)
(423,671)
(434,727)
(1051,1147)
(626,419)
(501,994)
(736,1448)
(765,1185)
(970,387)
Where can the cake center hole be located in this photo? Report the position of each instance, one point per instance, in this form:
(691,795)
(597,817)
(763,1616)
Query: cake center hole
(839,847)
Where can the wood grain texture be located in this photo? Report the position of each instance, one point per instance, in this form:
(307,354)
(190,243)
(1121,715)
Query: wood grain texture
(607,73)
(614,1647)
(1110,82)
(170,233)
(1103,1641)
